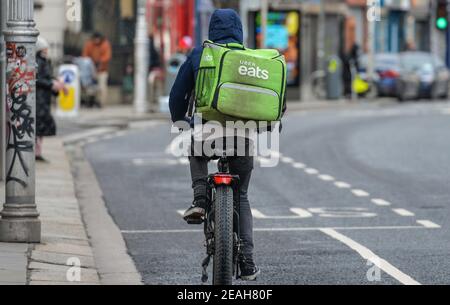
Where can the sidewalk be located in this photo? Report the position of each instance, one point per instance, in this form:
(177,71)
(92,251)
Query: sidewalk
(63,233)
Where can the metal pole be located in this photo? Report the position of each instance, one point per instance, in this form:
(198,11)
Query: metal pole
(370,50)
(321,38)
(264,17)
(2,90)
(20,218)
(141,64)
(434,39)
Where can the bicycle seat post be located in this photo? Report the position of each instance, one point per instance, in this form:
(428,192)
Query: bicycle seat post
(223,164)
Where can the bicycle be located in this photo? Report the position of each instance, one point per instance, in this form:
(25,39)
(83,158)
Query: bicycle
(221,225)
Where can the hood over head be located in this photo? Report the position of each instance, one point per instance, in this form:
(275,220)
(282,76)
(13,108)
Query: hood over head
(225,27)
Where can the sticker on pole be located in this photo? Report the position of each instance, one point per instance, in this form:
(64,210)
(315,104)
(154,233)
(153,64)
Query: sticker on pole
(69,102)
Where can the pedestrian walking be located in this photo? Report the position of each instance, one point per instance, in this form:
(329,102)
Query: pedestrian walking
(46,87)
(98,48)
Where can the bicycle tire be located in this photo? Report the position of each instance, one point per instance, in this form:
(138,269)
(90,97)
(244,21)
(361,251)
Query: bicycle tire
(223,237)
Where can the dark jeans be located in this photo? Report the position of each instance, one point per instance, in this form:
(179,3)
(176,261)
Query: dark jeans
(241,166)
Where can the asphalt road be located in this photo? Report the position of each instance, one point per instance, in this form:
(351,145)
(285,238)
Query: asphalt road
(354,188)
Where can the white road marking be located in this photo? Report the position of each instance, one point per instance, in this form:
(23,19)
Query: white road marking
(138,162)
(293,229)
(183,161)
(257,214)
(343,212)
(342,185)
(154,162)
(298,165)
(403,212)
(311,171)
(428,224)
(87,134)
(370,256)
(360,193)
(301,212)
(326,178)
(287,160)
(381,202)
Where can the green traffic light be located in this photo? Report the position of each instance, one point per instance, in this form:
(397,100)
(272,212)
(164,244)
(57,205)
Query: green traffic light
(441,23)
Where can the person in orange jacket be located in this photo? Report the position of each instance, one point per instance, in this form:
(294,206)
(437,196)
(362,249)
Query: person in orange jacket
(98,48)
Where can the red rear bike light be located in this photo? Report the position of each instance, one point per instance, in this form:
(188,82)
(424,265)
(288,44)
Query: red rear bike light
(223,179)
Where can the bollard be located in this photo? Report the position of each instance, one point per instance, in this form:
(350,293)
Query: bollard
(20,219)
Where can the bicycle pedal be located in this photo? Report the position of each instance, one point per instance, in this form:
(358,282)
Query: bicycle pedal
(194,221)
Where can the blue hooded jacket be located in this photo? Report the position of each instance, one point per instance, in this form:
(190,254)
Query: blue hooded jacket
(225,27)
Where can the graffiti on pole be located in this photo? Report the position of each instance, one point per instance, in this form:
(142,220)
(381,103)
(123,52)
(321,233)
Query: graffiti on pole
(20,128)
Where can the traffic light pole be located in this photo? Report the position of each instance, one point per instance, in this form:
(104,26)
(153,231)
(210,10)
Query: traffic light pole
(20,219)
(447,54)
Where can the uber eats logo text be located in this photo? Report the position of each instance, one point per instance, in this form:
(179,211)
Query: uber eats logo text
(250,69)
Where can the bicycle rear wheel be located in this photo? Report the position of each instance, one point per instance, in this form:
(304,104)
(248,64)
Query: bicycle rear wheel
(223,236)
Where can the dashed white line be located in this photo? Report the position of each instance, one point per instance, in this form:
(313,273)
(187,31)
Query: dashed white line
(287,160)
(360,193)
(311,171)
(342,185)
(299,165)
(381,202)
(403,212)
(368,255)
(428,224)
(327,178)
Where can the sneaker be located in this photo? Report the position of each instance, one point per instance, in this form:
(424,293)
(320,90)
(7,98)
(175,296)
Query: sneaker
(249,270)
(41,159)
(196,213)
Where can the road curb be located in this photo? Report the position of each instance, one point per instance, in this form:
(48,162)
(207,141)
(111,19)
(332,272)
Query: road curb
(114,265)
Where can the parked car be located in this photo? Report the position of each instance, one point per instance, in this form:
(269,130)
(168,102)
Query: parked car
(434,77)
(387,66)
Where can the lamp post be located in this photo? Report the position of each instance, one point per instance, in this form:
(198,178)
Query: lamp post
(141,60)
(2,89)
(20,219)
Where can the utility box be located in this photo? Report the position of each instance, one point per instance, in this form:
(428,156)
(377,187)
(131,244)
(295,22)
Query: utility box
(333,83)
(68,104)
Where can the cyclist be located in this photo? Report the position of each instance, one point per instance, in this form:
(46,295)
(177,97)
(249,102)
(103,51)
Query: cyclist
(225,27)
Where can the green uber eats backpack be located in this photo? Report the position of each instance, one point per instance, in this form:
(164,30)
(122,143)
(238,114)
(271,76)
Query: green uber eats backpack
(239,84)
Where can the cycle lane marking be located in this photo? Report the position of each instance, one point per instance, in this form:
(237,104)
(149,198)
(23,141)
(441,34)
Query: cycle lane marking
(368,255)
(381,202)
(360,193)
(356,192)
(427,225)
(403,212)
